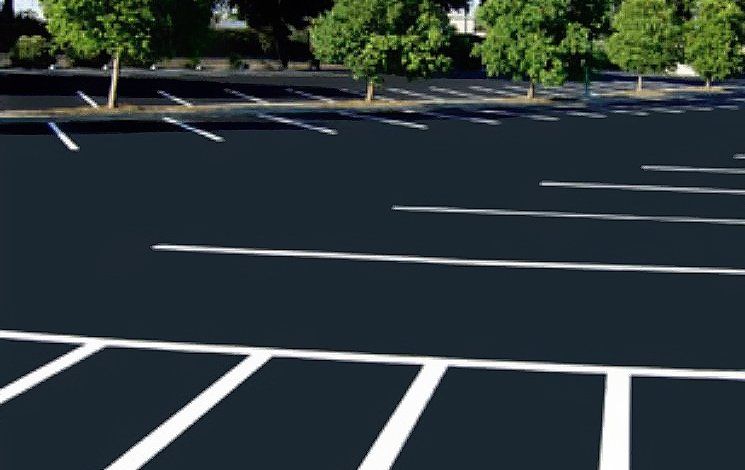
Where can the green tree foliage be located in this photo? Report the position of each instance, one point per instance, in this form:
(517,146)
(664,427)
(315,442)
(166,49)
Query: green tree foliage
(181,27)
(376,37)
(529,40)
(713,44)
(31,51)
(646,37)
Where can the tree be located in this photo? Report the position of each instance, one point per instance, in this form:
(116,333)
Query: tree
(7,13)
(645,38)
(120,28)
(377,37)
(529,40)
(181,27)
(712,40)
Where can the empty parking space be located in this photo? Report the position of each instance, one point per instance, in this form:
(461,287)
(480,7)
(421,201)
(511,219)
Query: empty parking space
(26,357)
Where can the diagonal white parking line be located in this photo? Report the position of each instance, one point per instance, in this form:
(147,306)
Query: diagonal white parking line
(642,187)
(245,96)
(567,215)
(91,102)
(692,169)
(175,99)
(587,114)
(632,112)
(494,91)
(48,371)
(415,94)
(739,156)
(311,96)
(615,440)
(533,117)
(296,123)
(391,439)
(392,122)
(173,427)
(459,94)
(444,261)
(357,93)
(660,109)
(730,107)
(203,133)
(63,137)
(439,115)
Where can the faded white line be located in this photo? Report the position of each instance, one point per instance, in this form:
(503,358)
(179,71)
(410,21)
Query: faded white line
(445,261)
(642,187)
(245,96)
(615,440)
(396,431)
(175,99)
(630,112)
(91,102)
(63,137)
(311,96)
(173,427)
(414,94)
(459,94)
(567,215)
(471,119)
(393,122)
(377,96)
(48,370)
(586,114)
(692,169)
(739,156)
(296,123)
(193,129)
(660,109)
(730,107)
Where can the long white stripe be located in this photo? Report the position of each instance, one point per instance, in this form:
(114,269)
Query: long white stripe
(173,427)
(438,115)
(245,96)
(660,109)
(466,262)
(87,99)
(357,93)
(193,129)
(393,122)
(586,114)
(459,94)
(691,169)
(311,96)
(293,122)
(375,358)
(48,370)
(175,99)
(63,137)
(642,187)
(392,438)
(615,442)
(739,156)
(415,94)
(568,215)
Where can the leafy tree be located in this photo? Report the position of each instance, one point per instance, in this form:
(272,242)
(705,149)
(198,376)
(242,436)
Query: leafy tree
(712,43)
(120,28)
(646,37)
(377,37)
(181,27)
(529,40)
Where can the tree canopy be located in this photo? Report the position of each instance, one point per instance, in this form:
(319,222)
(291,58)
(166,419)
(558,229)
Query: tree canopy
(376,37)
(713,41)
(529,40)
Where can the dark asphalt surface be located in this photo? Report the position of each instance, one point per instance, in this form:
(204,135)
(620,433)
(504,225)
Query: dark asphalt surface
(75,244)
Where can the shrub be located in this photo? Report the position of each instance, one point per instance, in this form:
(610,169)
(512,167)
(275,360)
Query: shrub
(31,51)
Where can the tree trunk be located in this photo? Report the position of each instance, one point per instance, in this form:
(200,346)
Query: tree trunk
(708,84)
(639,83)
(370,91)
(114,82)
(531,90)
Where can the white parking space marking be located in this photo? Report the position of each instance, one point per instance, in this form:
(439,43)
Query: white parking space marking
(175,99)
(615,440)
(296,123)
(660,109)
(739,156)
(642,187)
(91,102)
(567,215)
(689,107)
(193,129)
(692,169)
(48,371)
(587,114)
(499,112)
(414,94)
(173,427)
(730,107)
(444,261)
(541,117)
(438,115)
(391,439)
(534,117)
(494,91)
(310,96)
(245,96)
(63,137)
(631,112)
(392,122)
(459,94)
(377,96)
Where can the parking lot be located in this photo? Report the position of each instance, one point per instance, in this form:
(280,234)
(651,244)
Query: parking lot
(444,288)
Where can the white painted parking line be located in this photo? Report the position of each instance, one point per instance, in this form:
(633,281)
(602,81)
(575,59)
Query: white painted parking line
(494,91)
(392,122)
(660,109)
(740,100)
(391,439)
(296,123)
(415,94)
(439,115)
(175,99)
(692,169)
(587,114)
(729,107)
(499,112)
(91,102)
(739,156)
(311,96)
(615,440)
(642,187)
(534,117)
(245,96)
(142,452)
(63,137)
(459,94)
(568,215)
(444,261)
(48,371)
(360,94)
(631,112)
(193,129)
(541,117)
(689,107)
